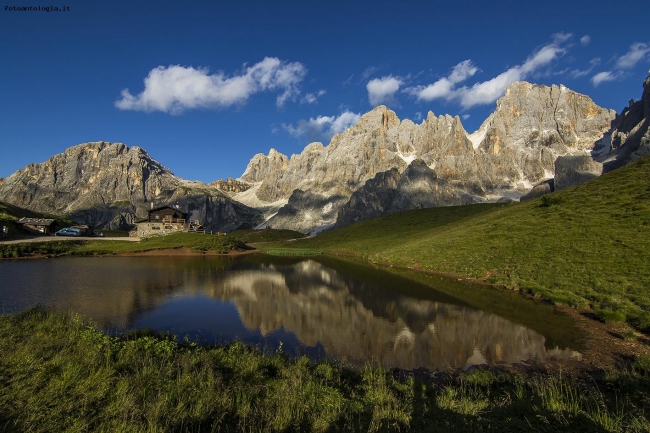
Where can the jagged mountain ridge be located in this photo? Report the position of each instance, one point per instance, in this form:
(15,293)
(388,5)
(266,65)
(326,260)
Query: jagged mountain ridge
(111,186)
(515,147)
(549,136)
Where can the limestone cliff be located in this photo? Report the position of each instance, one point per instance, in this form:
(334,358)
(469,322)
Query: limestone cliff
(515,148)
(112,185)
(626,141)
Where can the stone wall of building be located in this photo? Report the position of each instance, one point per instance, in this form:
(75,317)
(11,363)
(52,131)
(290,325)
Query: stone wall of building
(149,229)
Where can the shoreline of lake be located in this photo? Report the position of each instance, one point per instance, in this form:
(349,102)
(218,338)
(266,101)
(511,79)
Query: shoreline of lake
(182,251)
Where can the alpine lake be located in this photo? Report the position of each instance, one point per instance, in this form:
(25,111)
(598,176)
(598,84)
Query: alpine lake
(322,307)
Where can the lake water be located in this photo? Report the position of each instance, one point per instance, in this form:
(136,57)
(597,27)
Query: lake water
(320,307)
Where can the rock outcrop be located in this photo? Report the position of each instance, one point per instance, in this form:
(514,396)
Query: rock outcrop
(626,141)
(542,188)
(515,148)
(230,186)
(390,191)
(111,186)
(572,170)
(630,135)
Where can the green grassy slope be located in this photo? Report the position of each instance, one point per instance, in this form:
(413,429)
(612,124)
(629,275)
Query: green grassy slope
(588,245)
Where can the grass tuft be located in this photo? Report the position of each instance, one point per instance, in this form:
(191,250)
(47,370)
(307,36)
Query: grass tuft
(609,316)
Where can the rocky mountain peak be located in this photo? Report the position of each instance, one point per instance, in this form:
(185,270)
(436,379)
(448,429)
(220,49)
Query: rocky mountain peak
(513,149)
(276,156)
(552,117)
(111,185)
(379,117)
(260,166)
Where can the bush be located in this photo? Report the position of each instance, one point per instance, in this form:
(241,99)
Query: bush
(643,322)
(610,316)
(642,364)
(550,200)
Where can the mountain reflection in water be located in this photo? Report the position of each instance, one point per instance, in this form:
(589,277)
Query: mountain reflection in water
(279,299)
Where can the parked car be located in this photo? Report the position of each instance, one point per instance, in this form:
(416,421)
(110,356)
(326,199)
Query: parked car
(68,231)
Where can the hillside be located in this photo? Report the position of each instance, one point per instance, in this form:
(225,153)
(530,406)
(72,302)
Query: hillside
(588,245)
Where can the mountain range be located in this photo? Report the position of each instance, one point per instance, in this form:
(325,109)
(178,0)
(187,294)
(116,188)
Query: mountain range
(538,139)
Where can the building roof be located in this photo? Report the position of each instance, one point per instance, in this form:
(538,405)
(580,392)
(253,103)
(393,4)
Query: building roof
(36,221)
(167,207)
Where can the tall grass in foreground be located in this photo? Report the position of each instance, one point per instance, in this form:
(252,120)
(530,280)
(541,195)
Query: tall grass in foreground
(58,373)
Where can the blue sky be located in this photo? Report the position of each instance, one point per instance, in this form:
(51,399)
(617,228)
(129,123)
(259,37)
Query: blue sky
(205,85)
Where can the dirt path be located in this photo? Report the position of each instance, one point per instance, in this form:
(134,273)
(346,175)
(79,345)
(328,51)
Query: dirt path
(67,238)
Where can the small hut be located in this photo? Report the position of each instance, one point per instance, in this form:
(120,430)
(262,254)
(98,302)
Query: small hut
(167,214)
(44,226)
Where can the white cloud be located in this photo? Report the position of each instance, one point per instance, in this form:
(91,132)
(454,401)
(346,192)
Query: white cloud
(323,127)
(637,52)
(560,37)
(382,90)
(576,73)
(466,116)
(585,40)
(418,116)
(444,87)
(174,89)
(311,98)
(489,91)
(601,77)
(462,71)
(368,72)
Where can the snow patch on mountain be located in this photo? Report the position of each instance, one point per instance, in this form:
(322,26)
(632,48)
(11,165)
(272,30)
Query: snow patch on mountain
(268,209)
(407,159)
(477,137)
